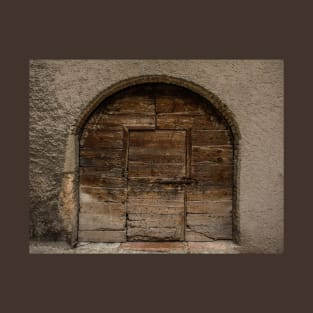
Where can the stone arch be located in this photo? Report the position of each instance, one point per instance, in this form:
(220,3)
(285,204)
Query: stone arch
(69,203)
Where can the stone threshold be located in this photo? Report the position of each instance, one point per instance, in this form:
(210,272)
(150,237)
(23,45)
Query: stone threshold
(61,247)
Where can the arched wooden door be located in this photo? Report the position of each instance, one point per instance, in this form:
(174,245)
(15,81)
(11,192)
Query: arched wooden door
(156,164)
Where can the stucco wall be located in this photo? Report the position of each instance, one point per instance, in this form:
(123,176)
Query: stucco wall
(60,90)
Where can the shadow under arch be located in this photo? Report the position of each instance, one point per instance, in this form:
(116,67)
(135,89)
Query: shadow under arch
(214,100)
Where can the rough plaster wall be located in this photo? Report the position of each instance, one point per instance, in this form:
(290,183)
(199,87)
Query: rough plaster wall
(252,90)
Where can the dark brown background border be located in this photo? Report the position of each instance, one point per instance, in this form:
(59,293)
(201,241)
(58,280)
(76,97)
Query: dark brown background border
(154,283)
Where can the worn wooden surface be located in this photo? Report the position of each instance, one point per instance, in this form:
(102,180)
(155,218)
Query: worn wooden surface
(156,164)
(102,236)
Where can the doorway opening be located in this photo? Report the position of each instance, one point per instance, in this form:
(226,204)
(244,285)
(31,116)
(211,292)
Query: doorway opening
(156,163)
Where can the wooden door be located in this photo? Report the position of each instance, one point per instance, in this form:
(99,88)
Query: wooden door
(156,163)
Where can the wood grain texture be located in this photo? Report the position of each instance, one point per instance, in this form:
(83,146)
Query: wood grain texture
(114,220)
(146,206)
(200,193)
(213,227)
(182,121)
(152,169)
(103,163)
(102,139)
(212,208)
(215,174)
(119,121)
(210,137)
(178,105)
(102,236)
(129,104)
(197,236)
(218,155)
(107,208)
(153,234)
(176,194)
(99,179)
(114,172)
(99,194)
(154,220)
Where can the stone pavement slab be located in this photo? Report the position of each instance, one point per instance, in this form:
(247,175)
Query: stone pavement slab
(60,247)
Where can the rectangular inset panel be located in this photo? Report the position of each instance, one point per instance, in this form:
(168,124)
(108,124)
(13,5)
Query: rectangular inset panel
(160,154)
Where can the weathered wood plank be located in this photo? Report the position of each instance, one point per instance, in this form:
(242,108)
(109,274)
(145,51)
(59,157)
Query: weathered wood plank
(220,155)
(216,174)
(88,194)
(102,207)
(212,208)
(188,153)
(152,169)
(161,194)
(156,184)
(99,179)
(112,221)
(173,121)
(102,236)
(155,220)
(207,220)
(102,172)
(132,201)
(200,193)
(102,139)
(210,137)
(196,236)
(119,121)
(161,154)
(213,227)
(178,105)
(142,207)
(136,103)
(125,150)
(94,152)
(103,163)
(157,138)
(153,234)
(155,226)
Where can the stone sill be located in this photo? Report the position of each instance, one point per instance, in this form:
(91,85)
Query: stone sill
(60,247)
